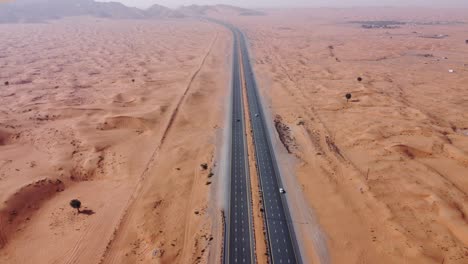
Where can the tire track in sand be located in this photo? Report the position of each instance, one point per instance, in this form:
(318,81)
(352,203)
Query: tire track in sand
(184,95)
(195,181)
(151,163)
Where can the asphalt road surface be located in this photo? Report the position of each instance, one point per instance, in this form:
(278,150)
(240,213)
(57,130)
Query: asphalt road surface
(239,236)
(282,242)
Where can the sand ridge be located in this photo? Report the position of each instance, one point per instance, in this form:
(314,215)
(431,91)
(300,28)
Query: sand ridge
(89,104)
(384,172)
(86,103)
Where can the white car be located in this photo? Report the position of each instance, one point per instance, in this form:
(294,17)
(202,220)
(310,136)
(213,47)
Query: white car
(256,115)
(281,190)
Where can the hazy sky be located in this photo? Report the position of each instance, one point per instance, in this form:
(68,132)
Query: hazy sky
(298,3)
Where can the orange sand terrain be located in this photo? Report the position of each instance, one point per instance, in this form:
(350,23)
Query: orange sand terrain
(122,114)
(386,174)
(87,108)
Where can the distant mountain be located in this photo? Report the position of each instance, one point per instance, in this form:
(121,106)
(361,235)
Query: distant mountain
(42,10)
(194,10)
(240,11)
(215,10)
(158,11)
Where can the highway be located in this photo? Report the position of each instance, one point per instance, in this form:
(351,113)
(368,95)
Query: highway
(281,240)
(239,246)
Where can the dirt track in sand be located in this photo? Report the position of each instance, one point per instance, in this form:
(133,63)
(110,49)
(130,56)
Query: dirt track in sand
(384,173)
(88,102)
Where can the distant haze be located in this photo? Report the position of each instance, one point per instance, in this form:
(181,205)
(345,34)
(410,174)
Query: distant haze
(297,3)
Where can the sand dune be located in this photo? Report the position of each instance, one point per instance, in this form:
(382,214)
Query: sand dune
(385,172)
(87,104)
(19,208)
(5,137)
(121,114)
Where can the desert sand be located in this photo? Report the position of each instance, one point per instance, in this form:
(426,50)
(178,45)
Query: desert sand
(87,107)
(121,114)
(385,174)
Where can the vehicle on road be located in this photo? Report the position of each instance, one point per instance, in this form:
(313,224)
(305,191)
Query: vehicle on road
(281,190)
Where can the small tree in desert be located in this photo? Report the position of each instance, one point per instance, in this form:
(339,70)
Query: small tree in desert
(75,203)
(348,96)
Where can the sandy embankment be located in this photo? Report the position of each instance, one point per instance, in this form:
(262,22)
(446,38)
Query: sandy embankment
(386,172)
(86,107)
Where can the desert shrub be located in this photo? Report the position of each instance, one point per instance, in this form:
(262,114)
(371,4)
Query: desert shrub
(348,96)
(75,203)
